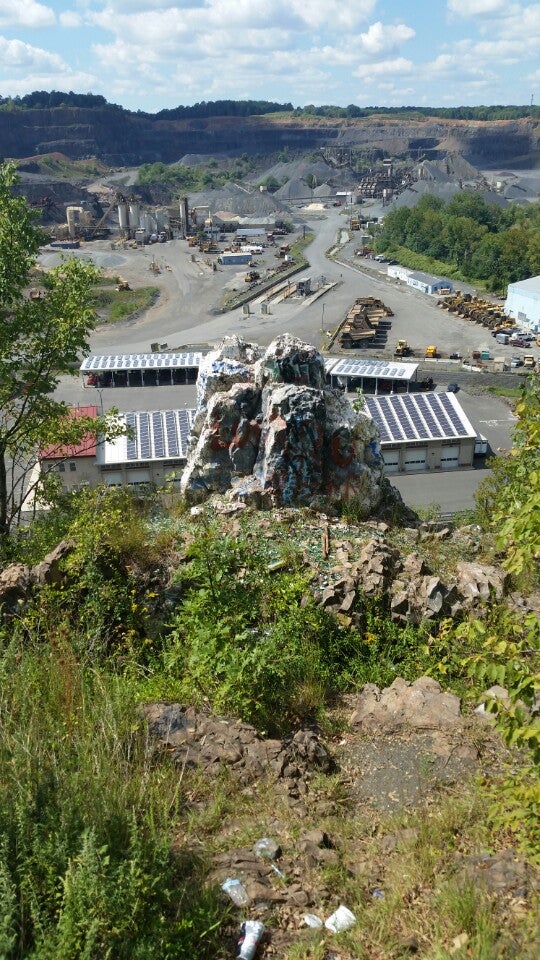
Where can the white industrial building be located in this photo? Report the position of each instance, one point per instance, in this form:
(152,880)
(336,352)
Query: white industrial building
(154,450)
(523,303)
(398,272)
(425,282)
(422,431)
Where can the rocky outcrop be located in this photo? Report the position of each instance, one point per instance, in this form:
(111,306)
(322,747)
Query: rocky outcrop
(270,432)
(404,706)
(413,592)
(19,580)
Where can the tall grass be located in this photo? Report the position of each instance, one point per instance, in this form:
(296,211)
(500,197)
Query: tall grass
(87,818)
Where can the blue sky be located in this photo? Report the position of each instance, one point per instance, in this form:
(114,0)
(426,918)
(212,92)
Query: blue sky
(150,54)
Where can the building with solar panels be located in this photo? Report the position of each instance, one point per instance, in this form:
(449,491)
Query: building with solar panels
(370,376)
(422,431)
(154,450)
(141,369)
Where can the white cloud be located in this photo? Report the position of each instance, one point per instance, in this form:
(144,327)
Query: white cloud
(28,13)
(381,38)
(398,65)
(476,8)
(16,54)
(70,19)
(332,13)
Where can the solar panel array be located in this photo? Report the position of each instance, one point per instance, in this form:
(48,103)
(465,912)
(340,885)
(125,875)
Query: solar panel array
(422,416)
(160,435)
(371,368)
(142,361)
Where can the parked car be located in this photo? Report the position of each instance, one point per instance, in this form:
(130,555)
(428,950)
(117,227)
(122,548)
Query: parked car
(516,362)
(452,387)
(455,356)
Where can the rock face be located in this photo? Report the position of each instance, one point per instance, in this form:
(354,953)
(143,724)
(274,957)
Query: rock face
(269,430)
(121,137)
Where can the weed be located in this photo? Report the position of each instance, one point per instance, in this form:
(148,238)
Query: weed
(86,821)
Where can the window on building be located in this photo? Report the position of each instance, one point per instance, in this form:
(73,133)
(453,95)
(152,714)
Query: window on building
(72,466)
(62,467)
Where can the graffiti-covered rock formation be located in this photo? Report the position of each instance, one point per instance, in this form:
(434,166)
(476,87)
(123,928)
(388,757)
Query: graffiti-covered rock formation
(269,430)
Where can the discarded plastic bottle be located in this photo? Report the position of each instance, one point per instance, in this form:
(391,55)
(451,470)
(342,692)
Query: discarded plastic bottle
(236,890)
(251,933)
(266,848)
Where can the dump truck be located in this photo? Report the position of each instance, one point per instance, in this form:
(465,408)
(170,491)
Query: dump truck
(528,360)
(431,352)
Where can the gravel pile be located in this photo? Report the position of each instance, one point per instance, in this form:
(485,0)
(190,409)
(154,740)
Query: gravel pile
(239,201)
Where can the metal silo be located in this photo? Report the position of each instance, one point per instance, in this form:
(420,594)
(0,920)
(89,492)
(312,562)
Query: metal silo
(134,215)
(123,217)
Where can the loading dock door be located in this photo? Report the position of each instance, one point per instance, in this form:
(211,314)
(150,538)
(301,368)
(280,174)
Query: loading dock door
(138,476)
(415,458)
(391,461)
(450,457)
(112,478)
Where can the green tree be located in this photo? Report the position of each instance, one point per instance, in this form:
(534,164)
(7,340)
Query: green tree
(40,339)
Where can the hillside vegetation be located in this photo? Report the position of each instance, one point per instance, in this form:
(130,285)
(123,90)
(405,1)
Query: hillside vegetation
(107,843)
(174,686)
(471,239)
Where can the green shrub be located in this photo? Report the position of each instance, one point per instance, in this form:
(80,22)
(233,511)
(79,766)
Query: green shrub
(86,822)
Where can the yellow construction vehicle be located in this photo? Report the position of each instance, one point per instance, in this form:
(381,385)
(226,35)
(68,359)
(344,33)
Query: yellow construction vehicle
(402,349)
(431,352)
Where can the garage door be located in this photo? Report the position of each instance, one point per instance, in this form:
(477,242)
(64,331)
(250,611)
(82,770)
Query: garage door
(136,477)
(112,478)
(391,461)
(450,457)
(415,459)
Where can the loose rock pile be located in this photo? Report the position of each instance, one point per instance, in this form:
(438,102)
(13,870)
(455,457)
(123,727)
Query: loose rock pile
(414,592)
(213,743)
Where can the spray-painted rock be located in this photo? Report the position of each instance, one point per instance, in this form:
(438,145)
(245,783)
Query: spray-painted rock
(270,431)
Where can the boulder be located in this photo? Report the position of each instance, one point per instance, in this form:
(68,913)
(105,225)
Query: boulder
(404,706)
(49,570)
(478,581)
(16,582)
